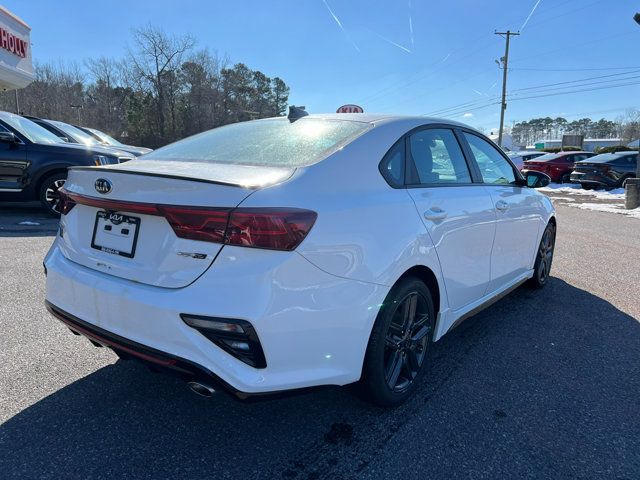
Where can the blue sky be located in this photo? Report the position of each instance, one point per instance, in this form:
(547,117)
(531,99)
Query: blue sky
(410,57)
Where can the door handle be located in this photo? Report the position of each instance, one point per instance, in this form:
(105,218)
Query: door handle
(502,205)
(435,213)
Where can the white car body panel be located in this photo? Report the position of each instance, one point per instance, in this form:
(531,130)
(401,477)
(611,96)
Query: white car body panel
(518,229)
(456,215)
(313,308)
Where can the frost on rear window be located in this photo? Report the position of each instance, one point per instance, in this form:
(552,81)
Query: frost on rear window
(272,142)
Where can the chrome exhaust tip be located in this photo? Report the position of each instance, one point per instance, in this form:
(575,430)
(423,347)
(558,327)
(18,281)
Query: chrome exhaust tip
(201,389)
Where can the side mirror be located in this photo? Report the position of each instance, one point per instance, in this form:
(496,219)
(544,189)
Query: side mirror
(536,179)
(8,137)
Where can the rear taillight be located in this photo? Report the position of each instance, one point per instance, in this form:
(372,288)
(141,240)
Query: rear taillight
(66,203)
(206,224)
(275,228)
(604,168)
(271,228)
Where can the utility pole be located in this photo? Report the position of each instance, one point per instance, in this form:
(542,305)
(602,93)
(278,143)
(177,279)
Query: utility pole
(17,103)
(632,185)
(77,107)
(505,65)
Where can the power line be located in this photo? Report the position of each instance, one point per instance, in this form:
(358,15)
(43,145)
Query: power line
(571,69)
(574,81)
(459,111)
(576,91)
(543,89)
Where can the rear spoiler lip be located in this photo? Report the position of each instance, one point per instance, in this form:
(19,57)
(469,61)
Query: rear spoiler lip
(179,177)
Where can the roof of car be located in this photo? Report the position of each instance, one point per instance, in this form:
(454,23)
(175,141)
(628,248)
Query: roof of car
(384,117)
(570,152)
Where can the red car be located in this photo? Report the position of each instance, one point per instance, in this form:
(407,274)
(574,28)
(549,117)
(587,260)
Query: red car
(557,165)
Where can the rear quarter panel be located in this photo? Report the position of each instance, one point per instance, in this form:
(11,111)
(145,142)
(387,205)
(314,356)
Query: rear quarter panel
(366,230)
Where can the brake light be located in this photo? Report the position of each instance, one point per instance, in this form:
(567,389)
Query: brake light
(206,224)
(66,203)
(273,228)
(270,228)
(604,168)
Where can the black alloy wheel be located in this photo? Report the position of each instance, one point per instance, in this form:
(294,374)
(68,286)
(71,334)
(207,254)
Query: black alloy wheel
(399,343)
(406,341)
(544,257)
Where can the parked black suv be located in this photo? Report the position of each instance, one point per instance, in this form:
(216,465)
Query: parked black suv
(34,162)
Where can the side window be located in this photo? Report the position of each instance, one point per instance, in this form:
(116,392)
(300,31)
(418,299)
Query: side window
(435,157)
(626,160)
(392,165)
(493,166)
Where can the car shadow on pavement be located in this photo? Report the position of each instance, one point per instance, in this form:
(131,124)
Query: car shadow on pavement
(542,384)
(26,220)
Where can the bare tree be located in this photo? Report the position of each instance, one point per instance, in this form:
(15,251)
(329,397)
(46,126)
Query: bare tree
(155,59)
(160,92)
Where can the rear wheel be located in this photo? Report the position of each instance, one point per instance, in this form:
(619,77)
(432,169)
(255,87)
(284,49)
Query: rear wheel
(399,344)
(566,178)
(544,258)
(48,194)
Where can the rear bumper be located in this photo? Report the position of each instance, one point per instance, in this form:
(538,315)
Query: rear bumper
(313,327)
(592,179)
(125,348)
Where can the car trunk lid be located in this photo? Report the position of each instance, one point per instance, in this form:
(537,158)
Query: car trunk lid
(122,221)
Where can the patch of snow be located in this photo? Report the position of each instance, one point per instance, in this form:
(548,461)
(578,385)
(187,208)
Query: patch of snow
(562,187)
(575,189)
(600,207)
(28,222)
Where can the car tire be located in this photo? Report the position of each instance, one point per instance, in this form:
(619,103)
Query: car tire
(399,344)
(48,193)
(566,178)
(544,258)
(588,186)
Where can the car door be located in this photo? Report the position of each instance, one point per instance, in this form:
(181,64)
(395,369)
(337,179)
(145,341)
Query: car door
(13,165)
(457,213)
(519,213)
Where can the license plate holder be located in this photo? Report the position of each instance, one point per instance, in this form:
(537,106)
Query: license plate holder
(115,233)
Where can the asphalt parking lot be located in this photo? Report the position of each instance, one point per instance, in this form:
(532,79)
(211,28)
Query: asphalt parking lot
(543,384)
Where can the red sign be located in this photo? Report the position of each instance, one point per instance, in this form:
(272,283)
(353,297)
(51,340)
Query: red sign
(350,109)
(12,43)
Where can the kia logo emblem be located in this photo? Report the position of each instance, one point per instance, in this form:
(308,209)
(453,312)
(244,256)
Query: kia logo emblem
(103,186)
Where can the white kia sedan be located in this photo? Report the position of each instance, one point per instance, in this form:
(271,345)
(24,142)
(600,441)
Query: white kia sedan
(287,253)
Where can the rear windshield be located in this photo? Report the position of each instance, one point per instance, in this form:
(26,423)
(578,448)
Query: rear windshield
(548,156)
(609,157)
(272,142)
